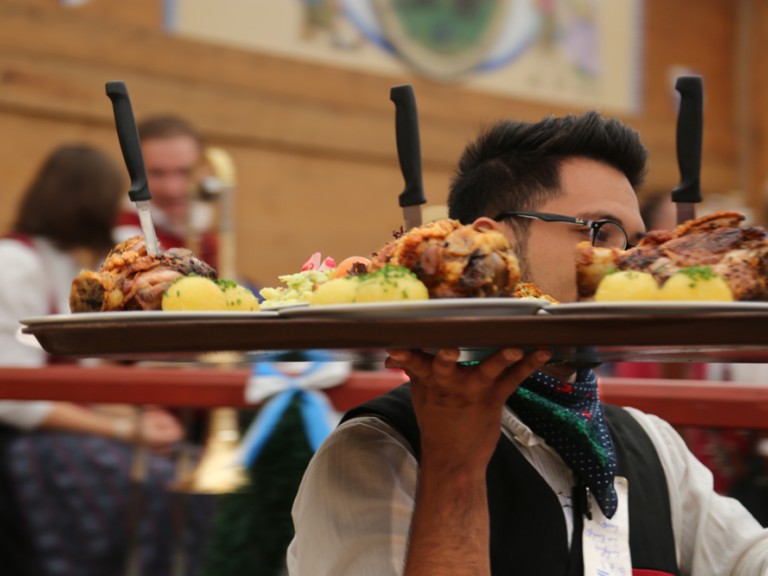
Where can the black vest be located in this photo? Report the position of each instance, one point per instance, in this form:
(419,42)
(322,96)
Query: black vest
(528,531)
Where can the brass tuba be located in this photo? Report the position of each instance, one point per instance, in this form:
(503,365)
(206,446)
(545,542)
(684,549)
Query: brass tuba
(217,472)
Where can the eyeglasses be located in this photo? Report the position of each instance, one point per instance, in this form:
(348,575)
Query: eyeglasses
(602,233)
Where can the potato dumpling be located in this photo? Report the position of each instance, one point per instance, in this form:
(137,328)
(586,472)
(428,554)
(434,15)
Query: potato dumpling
(696,283)
(627,285)
(390,283)
(336,291)
(194,293)
(238,297)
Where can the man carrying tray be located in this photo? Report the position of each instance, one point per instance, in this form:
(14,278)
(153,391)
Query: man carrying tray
(510,466)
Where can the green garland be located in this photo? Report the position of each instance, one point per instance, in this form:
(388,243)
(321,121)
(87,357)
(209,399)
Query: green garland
(253,527)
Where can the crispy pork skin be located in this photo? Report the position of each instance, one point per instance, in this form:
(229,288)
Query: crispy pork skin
(131,279)
(592,264)
(455,261)
(736,252)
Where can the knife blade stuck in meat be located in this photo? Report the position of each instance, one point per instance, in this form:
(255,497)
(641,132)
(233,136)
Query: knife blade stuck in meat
(128,135)
(690,124)
(408,153)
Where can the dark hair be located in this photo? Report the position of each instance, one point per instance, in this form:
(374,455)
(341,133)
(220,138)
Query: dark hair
(516,165)
(167,126)
(74,199)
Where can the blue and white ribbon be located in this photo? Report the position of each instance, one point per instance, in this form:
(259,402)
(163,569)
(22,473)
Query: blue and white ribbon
(276,384)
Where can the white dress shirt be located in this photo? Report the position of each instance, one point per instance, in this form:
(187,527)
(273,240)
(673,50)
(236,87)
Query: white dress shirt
(353,510)
(31,278)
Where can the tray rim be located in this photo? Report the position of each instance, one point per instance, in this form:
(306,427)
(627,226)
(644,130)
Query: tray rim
(624,334)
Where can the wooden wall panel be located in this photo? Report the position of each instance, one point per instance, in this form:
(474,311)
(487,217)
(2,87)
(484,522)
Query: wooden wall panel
(697,35)
(353,214)
(24,142)
(141,13)
(314,145)
(756,121)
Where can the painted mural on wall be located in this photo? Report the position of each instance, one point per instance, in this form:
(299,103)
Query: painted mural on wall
(572,52)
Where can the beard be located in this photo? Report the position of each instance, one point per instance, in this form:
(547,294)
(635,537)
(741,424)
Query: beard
(520,249)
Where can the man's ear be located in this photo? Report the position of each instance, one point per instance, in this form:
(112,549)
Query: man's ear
(484,224)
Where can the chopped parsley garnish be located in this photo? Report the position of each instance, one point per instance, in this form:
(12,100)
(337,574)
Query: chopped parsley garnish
(389,272)
(699,272)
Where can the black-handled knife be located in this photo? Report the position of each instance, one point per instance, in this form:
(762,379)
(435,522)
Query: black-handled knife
(408,153)
(690,126)
(128,135)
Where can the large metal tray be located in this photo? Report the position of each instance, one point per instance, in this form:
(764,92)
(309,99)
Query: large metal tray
(575,338)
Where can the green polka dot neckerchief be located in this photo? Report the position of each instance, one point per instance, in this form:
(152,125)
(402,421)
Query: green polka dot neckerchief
(569,417)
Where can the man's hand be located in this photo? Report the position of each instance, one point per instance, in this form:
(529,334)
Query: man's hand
(459,407)
(459,410)
(159,430)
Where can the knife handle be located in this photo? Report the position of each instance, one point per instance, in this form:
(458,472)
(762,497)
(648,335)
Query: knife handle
(130,144)
(690,124)
(408,147)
